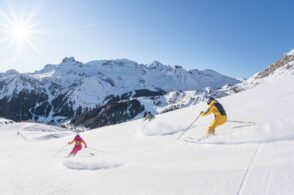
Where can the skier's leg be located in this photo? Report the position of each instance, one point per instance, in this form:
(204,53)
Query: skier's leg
(220,120)
(73,151)
(211,127)
(76,149)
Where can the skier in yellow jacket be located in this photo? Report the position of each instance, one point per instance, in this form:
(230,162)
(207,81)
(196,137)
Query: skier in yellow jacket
(219,113)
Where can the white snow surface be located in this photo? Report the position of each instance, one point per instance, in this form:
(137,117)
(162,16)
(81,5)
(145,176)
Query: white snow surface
(144,158)
(91,163)
(37,132)
(4,121)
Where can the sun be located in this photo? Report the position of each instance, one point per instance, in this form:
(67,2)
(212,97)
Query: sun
(19,31)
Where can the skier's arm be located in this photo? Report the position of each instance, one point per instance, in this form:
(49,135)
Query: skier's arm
(84,144)
(71,142)
(208,111)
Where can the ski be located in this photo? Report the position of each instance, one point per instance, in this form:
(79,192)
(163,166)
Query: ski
(194,140)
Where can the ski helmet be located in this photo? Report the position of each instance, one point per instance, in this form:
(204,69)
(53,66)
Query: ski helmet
(210,99)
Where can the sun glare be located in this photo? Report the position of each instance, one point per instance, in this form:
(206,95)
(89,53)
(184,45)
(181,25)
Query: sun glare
(19,31)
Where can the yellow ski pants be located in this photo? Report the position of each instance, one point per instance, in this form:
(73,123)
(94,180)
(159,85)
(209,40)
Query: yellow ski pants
(219,120)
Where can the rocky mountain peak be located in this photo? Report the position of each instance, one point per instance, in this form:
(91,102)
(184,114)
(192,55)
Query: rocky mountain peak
(285,62)
(12,72)
(68,60)
(156,65)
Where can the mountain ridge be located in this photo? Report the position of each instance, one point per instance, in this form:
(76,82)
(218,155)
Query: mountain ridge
(62,91)
(179,99)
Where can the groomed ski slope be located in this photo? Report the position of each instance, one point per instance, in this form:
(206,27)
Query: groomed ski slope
(144,158)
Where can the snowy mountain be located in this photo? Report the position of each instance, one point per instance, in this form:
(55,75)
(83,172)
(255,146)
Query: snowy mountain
(172,100)
(135,108)
(141,157)
(59,92)
(282,68)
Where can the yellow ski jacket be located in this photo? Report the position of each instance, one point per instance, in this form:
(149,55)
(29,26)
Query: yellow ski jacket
(216,108)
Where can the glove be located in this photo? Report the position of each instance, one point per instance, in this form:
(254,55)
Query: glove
(69,143)
(201,113)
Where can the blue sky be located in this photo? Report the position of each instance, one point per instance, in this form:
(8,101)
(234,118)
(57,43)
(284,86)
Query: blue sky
(234,37)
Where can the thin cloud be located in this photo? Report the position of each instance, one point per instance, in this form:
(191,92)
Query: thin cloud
(91,25)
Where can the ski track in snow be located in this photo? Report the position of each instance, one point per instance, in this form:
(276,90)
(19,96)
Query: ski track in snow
(245,177)
(62,188)
(267,182)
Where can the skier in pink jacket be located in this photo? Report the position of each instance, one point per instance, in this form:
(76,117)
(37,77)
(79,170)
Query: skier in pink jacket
(78,145)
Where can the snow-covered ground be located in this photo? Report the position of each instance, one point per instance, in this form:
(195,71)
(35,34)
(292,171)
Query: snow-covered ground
(144,157)
(4,121)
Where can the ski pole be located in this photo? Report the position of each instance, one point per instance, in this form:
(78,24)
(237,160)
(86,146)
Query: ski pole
(90,148)
(241,122)
(59,150)
(188,128)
